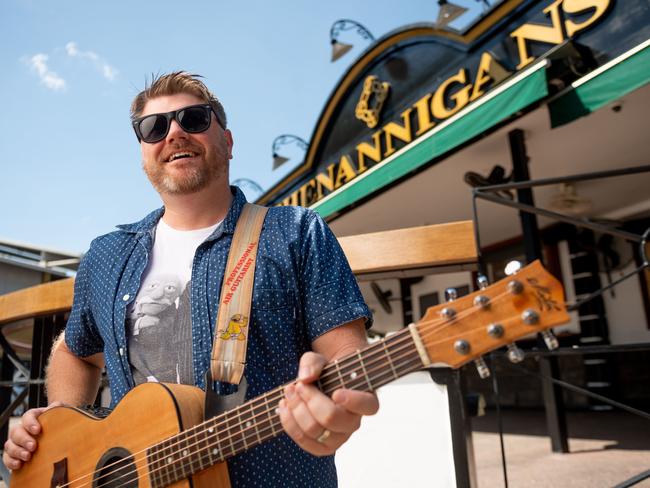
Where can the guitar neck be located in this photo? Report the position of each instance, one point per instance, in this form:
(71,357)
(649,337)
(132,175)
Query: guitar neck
(256,421)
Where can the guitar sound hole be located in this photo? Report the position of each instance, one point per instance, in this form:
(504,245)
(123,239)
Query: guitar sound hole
(116,469)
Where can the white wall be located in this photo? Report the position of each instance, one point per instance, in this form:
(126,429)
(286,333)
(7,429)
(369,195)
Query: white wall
(625,312)
(384,322)
(439,283)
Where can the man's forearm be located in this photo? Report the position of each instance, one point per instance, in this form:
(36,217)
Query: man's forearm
(70,379)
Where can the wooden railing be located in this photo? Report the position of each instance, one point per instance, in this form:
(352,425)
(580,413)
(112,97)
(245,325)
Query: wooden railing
(398,253)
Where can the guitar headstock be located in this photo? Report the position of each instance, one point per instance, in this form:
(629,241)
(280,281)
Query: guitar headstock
(459,331)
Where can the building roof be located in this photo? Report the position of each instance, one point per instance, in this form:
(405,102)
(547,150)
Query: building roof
(39,258)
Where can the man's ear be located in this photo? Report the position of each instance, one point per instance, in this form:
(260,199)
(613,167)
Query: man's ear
(229,140)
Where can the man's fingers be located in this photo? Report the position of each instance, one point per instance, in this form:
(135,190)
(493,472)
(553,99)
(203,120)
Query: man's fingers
(11,462)
(30,421)
(14,454)
(300,413)
(303,440)
(325,412)
(359,402)
(311,364)
(22,439)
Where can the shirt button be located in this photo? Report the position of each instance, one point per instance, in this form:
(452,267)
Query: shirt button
(126,297)
(121,351)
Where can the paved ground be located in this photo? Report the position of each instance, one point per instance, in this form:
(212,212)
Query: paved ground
(606,448)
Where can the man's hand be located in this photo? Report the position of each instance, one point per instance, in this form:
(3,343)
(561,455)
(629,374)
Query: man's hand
(22,441)
(317,423)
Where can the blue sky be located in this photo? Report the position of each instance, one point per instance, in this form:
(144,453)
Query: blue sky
(70,167)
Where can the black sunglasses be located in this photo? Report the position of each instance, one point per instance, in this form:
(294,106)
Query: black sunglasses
(155,127)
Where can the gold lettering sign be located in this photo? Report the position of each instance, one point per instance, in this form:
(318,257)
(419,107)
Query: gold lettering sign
(554,34)
(371,102)
(448,98)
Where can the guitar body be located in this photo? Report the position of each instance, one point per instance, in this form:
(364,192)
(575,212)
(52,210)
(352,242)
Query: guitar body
(147,415)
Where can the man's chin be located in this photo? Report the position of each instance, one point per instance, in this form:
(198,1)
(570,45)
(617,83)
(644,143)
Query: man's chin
(180,185)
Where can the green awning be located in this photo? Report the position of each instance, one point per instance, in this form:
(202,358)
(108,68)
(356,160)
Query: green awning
(604,85)
(525,88)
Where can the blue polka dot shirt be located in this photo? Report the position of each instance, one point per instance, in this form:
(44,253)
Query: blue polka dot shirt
(303,288)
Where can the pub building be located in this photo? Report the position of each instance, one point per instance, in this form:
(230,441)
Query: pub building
(533,90)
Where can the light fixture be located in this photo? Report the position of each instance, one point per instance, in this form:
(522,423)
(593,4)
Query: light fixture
(283,140)
(339,49)
(567,201)
(448,13)
(497,176)
(383,297)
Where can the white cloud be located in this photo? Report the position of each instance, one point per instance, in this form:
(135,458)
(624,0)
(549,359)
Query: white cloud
(50,79)
(107,71)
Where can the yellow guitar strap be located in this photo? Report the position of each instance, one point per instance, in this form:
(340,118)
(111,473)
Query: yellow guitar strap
(231,331)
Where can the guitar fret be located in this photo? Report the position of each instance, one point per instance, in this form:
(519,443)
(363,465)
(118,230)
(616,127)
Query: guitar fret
(241,433)
(164,468)
(390,360)
(172,461)
(256,423)
(151,466)
(270,412)
(196,445)
(230,437)
(338,372)
(202,445)
(188,459)
(212,440)
(365,373)
(179,457)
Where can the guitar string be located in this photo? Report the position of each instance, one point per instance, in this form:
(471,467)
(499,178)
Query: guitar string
(266,403)
(428,328)
(261,427)
(342,363)
(361,381)
(414,361)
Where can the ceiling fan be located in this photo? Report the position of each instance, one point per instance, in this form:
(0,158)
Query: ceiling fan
(567,201)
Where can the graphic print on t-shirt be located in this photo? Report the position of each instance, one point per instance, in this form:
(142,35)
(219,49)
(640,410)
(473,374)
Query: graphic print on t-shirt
(160,331)
(158,323)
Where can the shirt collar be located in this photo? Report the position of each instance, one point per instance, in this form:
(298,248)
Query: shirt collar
(227,227)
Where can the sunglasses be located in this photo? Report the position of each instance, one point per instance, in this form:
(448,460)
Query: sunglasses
(155,127)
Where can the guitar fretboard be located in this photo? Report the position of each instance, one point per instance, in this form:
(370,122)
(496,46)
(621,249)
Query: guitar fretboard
(256,421)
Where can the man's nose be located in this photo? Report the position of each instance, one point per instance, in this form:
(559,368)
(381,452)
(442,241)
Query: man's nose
(175,132)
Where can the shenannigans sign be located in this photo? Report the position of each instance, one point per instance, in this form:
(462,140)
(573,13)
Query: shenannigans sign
(430,76)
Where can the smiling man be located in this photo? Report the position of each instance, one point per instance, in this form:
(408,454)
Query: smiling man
(307,308)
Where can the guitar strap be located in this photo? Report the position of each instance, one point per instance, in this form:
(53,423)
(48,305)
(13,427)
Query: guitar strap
(231,331)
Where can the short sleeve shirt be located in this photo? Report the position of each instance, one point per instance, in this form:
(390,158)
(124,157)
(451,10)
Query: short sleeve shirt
(303,288)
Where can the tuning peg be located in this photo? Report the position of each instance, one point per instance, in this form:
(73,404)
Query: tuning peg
(550,340)
(482,368)
(513,267)
(515,355)
(482,282)
(451,294)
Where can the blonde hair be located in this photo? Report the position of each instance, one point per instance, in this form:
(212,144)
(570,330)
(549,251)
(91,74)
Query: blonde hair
(172,84)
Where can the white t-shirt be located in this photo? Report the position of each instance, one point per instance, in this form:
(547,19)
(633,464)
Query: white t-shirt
(159,319)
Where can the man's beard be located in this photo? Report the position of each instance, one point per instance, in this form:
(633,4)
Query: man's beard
(193,178)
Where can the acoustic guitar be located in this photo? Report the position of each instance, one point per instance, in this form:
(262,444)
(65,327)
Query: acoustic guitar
(157,437)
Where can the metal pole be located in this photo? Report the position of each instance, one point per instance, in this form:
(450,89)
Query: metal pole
(553,400)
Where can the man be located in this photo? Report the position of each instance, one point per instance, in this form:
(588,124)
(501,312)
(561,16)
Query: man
(146,298)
